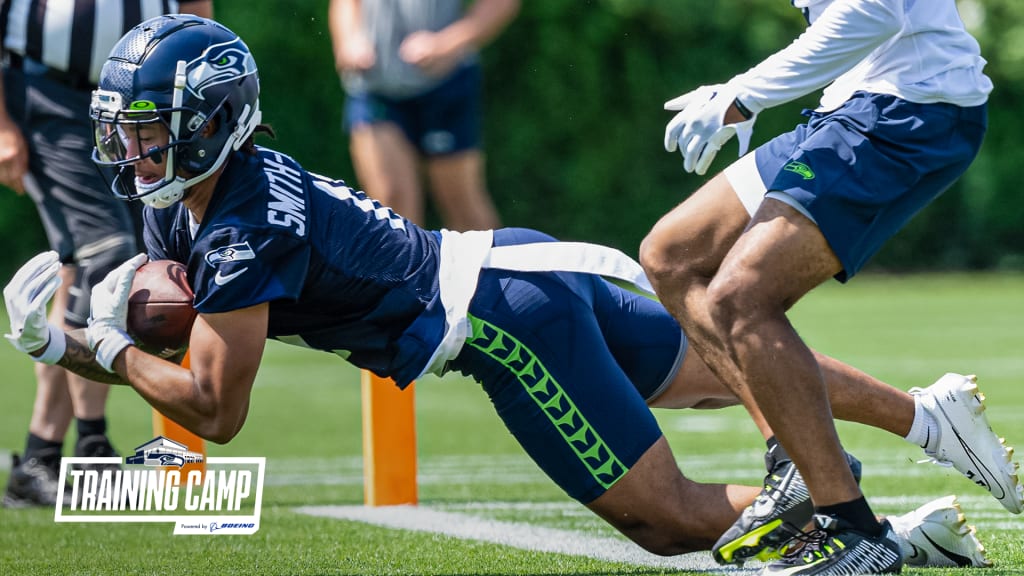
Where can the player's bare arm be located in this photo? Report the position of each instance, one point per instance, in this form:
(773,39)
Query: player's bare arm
(81,360)
(352,49)
(13,150)
(436,53)
(211,396)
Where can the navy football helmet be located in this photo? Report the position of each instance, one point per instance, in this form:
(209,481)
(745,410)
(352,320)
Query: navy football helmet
(179,90)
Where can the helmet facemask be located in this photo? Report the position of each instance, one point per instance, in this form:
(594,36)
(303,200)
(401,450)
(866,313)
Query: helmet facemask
(125,138)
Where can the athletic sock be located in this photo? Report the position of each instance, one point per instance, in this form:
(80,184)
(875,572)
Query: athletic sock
(34,444)
(776,453)
(856,512)
(94,427)
(924,432)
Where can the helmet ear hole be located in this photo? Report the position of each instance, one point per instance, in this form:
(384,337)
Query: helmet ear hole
(205,147)
(211,127)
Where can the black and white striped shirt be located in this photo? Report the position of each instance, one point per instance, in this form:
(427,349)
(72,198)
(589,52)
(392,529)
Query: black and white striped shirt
(74,36)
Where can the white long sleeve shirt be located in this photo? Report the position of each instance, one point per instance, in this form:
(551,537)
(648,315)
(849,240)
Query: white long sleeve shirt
(917,50)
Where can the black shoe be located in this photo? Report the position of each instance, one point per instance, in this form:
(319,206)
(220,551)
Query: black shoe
(835,548)
(33,481)
(779,513)
(95,446)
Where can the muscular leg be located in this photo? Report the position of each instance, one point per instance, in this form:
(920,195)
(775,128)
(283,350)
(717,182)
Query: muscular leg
(88,398)
(387,166)
(70,394)
(684,250)
(858,397)
(779,258)
(665,512)
(853,395)
(682,254)
(458,186)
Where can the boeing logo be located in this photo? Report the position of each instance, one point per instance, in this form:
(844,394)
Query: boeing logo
(231,526)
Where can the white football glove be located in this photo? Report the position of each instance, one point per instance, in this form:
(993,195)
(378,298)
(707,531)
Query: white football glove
(27,296)
(108,319)
(698,130)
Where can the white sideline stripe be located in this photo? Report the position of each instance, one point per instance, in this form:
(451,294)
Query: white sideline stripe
(516,535)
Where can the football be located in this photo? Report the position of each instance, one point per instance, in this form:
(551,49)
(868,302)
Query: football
(160,312)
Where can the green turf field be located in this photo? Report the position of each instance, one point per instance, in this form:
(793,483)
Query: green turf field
(475,485)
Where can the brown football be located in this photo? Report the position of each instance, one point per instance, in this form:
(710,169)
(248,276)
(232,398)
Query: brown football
(160,312)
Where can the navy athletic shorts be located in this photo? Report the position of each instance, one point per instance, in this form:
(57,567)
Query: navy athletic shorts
(864,170)
(444,120)
(568,360)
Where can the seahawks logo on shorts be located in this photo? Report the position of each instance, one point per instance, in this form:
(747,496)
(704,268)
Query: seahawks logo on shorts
(800,168)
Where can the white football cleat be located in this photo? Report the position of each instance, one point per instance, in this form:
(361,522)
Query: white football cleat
(937,535)
(966,440)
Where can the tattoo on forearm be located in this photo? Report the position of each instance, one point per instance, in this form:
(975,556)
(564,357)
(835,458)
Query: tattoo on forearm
(79,358)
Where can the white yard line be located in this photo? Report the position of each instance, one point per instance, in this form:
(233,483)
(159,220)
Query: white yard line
(535,538)
(517,535)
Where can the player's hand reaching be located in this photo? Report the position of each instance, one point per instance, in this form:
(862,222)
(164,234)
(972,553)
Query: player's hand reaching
(27,296)
(108,319)
(708,117)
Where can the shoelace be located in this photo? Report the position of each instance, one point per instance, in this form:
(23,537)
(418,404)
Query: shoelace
(772,481)
(773,493)
(48,461)
(37,473)
(811,544)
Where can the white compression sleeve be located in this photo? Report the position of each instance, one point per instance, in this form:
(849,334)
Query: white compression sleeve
(844,34)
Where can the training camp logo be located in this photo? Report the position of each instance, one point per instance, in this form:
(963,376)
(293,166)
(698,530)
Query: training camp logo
(164,482)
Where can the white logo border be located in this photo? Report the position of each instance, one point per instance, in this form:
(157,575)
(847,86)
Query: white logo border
(178,520)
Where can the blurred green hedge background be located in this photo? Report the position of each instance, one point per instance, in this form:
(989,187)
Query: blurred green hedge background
(574,120)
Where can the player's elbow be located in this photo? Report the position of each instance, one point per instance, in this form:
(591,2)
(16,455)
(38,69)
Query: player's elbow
(219,428)
(220,413)
(219,433)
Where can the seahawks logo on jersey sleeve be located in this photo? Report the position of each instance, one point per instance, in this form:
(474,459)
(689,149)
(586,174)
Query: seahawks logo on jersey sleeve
(232,253)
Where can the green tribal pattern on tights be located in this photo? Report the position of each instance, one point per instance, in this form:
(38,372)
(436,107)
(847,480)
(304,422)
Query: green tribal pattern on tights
(592,451)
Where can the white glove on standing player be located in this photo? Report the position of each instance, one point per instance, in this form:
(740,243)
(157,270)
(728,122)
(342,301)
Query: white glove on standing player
(699,131)
(108,319)
(27,296)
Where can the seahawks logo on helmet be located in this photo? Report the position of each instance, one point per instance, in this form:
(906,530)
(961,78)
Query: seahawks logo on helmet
(218,64)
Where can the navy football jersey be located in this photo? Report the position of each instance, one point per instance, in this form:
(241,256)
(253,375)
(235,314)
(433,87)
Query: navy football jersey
(341,272)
